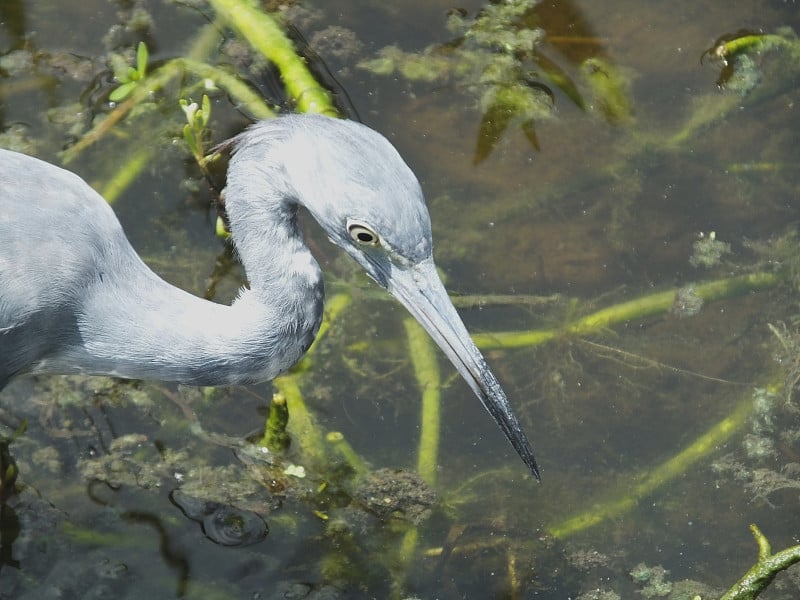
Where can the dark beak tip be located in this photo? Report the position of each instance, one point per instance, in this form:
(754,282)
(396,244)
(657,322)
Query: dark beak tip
(421,291)
(529,460)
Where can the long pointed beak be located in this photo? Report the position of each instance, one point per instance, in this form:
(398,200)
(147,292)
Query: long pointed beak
(421,291)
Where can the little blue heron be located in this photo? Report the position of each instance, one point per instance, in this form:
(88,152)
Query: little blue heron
(76,298)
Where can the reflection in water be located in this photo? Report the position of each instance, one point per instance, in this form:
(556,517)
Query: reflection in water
(173,557)
(222,524)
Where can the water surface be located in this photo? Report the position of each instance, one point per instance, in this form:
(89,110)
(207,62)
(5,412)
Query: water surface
(609,208)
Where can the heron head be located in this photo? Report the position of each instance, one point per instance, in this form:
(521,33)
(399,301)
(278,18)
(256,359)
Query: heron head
(359,189)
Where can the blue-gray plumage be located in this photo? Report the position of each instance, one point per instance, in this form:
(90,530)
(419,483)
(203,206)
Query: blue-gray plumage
(76,298)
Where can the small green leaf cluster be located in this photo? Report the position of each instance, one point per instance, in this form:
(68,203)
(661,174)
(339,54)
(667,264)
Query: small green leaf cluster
(196,121)
(129,77)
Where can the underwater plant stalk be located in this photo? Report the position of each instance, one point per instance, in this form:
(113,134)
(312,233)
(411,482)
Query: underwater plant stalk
(276,437)
(343,448)
(406,553)
(141,92)
(646,483)
(201,47)
(244,96)
(302,426)
(426,371)
(761,574)
(268,37)
(135,163)
(639,308)
(334,306)
(126,174)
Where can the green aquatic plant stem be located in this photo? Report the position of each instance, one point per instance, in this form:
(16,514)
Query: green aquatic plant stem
(406,553)
(751,42)
(343,448)
(706,110)
(426,371)
(608,89)
(238,90)
(244,96)
(764,571)
(712,108)
(201,47)
(639,308)
(334,306)
(139,94)
(644,484)
(126,174)
(193,64)
(276,438)
(302,426)
(265,35)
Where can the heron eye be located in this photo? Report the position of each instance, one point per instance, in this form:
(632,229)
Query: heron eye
(362,234)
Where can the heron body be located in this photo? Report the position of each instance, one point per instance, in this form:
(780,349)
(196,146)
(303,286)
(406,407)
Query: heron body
(76,298)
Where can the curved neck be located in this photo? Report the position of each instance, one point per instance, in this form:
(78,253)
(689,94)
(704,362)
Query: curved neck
(174,336)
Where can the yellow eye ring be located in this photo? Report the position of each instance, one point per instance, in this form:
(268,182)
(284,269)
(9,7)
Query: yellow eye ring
(362,233)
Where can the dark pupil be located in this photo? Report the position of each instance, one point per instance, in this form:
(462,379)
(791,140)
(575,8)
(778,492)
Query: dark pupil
(363,236)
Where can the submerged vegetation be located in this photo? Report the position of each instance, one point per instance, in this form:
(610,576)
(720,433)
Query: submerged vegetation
(373,526)
(497,57)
